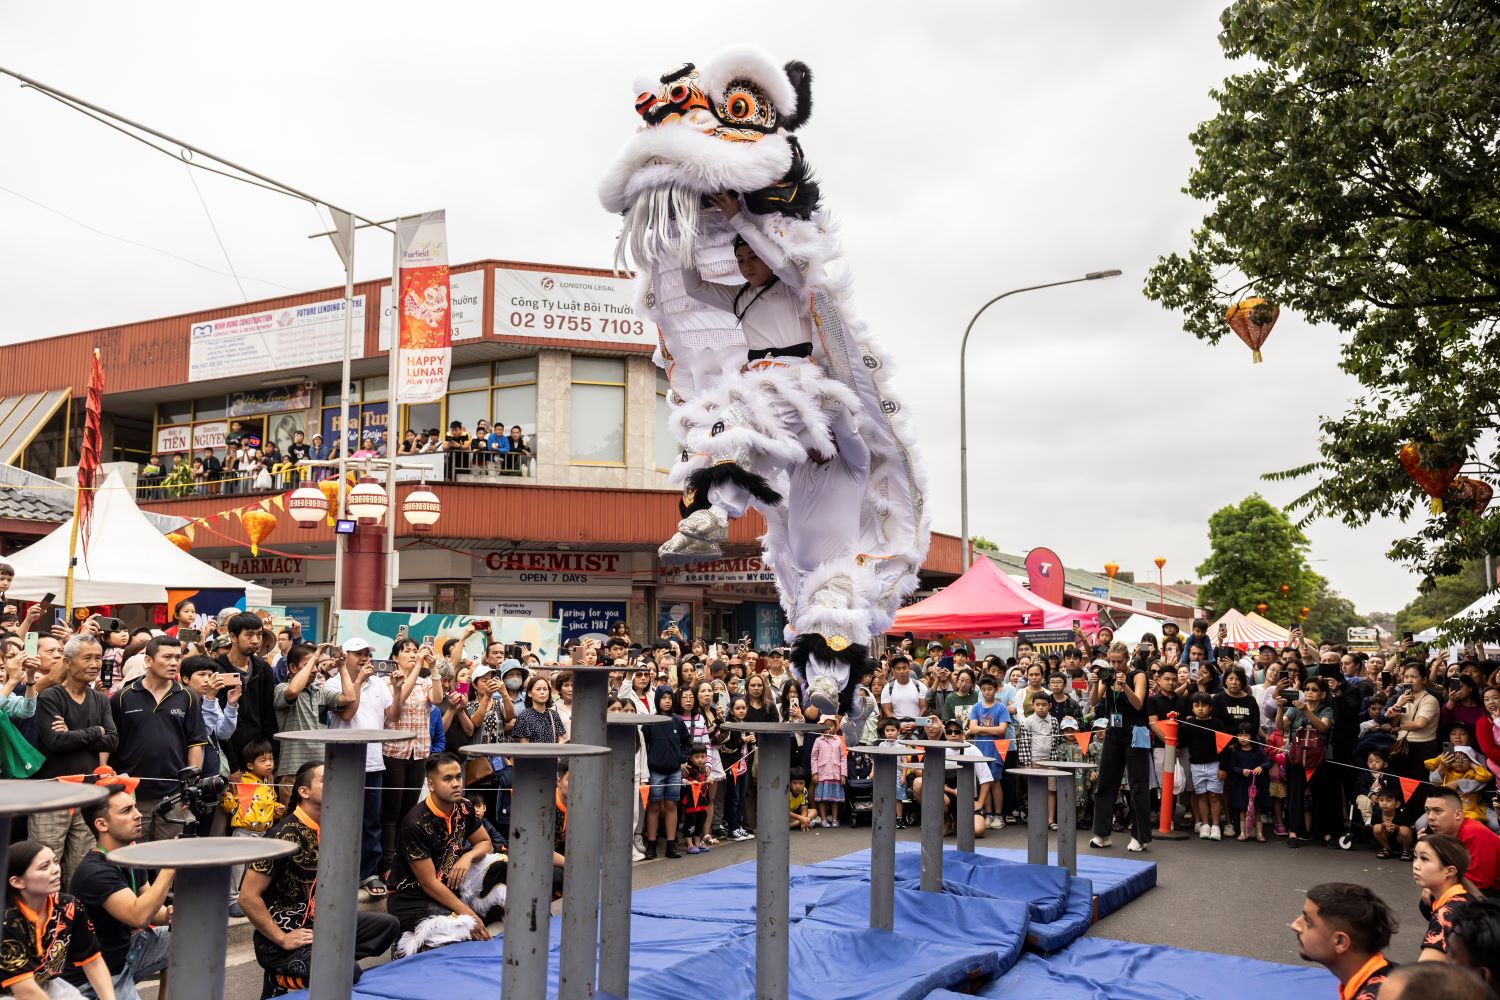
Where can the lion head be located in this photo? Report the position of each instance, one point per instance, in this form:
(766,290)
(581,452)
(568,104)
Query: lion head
(725,126)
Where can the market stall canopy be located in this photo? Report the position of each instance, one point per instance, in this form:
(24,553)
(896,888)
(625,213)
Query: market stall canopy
(985,602)
(1244,632)
(129,560)
(1482,606)
(1266,623)
(1137,626)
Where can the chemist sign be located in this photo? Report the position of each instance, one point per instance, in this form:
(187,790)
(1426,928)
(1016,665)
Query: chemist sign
(595,309)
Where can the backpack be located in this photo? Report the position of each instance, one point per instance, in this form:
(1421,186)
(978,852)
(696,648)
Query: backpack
(1306,748)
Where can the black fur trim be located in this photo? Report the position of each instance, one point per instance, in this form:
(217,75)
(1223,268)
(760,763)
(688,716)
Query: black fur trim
(811,644)
(700,481)
(801,78)
(699,502)
(796,194)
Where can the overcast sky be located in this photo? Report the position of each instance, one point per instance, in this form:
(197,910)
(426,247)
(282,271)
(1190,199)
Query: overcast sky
(967,148)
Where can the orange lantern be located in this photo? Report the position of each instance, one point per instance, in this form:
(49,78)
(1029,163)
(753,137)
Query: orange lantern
(1302,613)
(1285,589)
(1435,478)
(1110,569)
(1160,561)
(180,540)
(1260,608)
(1251,320)
(258,525)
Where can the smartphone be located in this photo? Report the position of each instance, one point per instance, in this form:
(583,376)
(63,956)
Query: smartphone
(383,666)
(31,642)
(482,624)
(231,679)
(1077,623)
(1193,668)
(1405,636)
(923,720)
(49,598)
(1447,748)
(190,634)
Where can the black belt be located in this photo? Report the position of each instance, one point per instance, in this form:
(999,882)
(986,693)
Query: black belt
(795,351)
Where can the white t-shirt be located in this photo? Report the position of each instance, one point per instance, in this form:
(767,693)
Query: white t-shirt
(906,700)
(374,698)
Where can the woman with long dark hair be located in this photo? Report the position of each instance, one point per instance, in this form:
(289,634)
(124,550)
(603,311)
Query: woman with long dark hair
(45,930)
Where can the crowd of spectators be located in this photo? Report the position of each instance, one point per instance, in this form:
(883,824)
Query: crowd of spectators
(1310,746)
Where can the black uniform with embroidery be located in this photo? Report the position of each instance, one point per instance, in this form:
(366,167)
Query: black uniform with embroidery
(1442,922)
(42,945)
(426,835)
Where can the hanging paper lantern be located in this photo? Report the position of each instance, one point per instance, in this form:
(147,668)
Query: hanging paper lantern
(1433,478)
(1302,613)
(1160,561)
(258,525)
(1110,569)
(1252,319)
(1260,608)
(368,500)
(1473,494)
(180,540)
(307,505)
(422,509)
(1285,589)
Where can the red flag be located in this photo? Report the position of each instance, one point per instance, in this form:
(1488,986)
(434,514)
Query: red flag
(696,787)
(737,768)
(88,452)
(1221,740)
(1083,740)
(1002,747)
(645,794)
(1408,787)
(1309,771)
(245,792)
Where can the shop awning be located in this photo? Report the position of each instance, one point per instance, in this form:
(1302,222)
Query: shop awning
(21,417)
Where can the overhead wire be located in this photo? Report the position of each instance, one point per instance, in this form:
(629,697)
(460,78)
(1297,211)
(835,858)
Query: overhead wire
(213,226)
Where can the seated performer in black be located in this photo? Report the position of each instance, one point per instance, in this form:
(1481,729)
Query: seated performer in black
(277,896)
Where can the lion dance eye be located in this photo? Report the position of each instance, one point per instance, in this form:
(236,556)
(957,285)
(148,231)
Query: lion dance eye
(740,104)
(717,429)
(677,94)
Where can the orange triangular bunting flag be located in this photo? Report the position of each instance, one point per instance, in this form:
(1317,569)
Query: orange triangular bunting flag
(645,795)
(737,768)
(1221,740)
(280,501)
(1002,747)
(1408,787)
(1083,740)
(1309,771)
(245,792)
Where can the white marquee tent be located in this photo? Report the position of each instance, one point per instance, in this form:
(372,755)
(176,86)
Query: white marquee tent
(129,560)
(1479,607)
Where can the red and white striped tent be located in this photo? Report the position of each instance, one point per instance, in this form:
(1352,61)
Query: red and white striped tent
(1246,633)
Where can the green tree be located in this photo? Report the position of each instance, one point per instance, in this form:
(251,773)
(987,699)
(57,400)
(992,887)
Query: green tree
(982,544)
(1330,616)
(1350,175)
(1254,549)
(1449,595)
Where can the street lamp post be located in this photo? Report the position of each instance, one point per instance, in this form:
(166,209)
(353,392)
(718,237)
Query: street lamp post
(963,395)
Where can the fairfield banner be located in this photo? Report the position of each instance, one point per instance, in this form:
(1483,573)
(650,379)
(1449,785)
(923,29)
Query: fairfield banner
(425,342)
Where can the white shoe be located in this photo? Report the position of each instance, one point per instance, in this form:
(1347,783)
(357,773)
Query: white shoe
(742,834)
(992,822)
(1203,831)
(637,855)
(1097,842)
(1229,829)
(1135,846)
(1214,833)
(697,539)
(815,822)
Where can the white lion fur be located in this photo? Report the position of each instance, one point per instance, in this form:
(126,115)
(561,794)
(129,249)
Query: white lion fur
(434,932)
(694,160)
(746,62)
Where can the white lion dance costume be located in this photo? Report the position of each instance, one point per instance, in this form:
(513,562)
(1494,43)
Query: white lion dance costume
(780,401)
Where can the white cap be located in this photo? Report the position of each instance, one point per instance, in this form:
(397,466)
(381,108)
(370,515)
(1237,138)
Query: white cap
(480,671)
(355,645)
(1068,722)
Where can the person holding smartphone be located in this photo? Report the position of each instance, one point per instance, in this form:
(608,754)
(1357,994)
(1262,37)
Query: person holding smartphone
(1119,695)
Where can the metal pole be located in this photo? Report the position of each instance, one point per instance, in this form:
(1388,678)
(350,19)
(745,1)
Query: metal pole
(963,404)
(614,890)
(344,242)
(337,889)
(772,867)
(934,762)
(883,846)
(393,422)
(1036,819)
(195,966)
(965,821)
(586,800)
(528,892)
(1067,821)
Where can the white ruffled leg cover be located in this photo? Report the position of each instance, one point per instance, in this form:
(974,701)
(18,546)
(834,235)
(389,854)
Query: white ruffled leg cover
(482,891)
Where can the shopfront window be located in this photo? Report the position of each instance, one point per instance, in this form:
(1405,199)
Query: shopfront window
(667,449)
(598,405)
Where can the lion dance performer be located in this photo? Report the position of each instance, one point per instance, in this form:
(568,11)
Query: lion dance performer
(780,400)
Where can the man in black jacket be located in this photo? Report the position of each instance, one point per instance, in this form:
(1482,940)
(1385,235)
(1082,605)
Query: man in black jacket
(74,726)
(257,705)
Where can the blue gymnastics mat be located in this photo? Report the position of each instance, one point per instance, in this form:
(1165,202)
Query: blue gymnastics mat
(701,929)
(1094,968)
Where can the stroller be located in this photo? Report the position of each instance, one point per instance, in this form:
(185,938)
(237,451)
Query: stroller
(859,785)
(1354,823)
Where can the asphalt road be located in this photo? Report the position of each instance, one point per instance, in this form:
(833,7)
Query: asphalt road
(1228,897)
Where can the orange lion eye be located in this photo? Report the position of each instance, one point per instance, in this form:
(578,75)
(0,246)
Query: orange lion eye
(740,104)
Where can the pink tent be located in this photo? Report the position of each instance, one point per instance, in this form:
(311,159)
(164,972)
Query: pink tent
(986,602)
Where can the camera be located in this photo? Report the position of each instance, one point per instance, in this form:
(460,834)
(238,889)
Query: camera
(1106,676)
(198,792)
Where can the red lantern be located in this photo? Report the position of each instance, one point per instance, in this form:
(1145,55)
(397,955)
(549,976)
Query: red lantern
(1285,589)
(1474,494)
(1434,480)
(180,540)
(1252,319)
(1260,608)
(1302,613)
